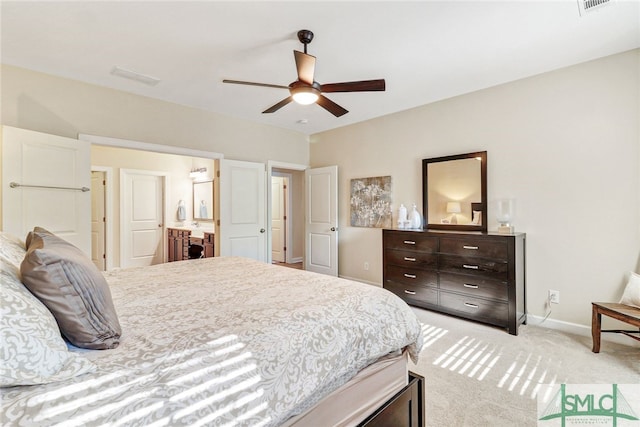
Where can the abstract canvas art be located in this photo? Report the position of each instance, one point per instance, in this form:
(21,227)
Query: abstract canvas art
(371,202)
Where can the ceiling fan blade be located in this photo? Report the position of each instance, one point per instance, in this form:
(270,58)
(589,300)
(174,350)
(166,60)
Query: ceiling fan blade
(361,86)
(278,106)
(331,106)
(238,82)
(306,66)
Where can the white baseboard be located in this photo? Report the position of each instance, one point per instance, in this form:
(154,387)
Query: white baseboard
(576,329)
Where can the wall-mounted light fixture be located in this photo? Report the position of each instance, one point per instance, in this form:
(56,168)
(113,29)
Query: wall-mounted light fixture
(198,173)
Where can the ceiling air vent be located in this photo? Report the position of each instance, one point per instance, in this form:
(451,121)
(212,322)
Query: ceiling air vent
(585,6)
(132,75)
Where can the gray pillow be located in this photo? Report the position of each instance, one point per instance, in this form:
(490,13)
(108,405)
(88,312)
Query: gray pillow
(73,289)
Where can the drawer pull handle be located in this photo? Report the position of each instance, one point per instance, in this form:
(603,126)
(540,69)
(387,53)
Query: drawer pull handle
(470,267)
(409,259)
(409,242)
(468,285)
(409,292)
(470,247)
(410,276)
(468,304)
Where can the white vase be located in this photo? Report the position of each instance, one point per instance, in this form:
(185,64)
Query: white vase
(416,219)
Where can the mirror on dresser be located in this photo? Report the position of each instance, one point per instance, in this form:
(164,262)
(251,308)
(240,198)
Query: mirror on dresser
(455,192)
(203,200)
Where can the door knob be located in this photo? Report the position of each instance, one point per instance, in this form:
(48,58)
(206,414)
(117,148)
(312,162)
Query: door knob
(262,230)
(333,229)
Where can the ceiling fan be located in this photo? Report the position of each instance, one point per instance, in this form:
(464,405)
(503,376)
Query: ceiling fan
(306,90)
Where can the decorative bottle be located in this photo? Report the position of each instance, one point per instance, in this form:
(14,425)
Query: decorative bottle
(402,216)
(416,218)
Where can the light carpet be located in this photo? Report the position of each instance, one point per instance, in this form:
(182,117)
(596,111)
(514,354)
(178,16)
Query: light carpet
(478,375)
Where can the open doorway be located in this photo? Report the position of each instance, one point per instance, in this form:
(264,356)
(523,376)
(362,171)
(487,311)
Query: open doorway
(286,213)
(101,217)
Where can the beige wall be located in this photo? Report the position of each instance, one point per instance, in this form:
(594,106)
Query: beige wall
(44,103)
(564,144)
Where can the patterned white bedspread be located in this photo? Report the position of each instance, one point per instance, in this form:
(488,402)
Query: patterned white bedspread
(222,341)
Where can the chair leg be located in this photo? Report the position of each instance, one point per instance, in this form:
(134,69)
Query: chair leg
(596,329)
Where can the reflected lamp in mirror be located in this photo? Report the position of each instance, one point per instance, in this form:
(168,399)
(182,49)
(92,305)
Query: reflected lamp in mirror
(505,210)
(453,208)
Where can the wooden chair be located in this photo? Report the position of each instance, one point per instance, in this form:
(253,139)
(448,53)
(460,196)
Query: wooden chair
(622,312)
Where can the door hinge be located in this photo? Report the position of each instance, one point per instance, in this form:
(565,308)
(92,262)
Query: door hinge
(218,174)
(104,256)
(104,219)
(284,217)
(104,182)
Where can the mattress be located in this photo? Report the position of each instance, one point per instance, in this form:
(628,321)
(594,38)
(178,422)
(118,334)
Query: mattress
(223,341)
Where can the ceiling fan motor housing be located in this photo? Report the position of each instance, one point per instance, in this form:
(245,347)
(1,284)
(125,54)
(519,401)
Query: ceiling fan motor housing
(305,37)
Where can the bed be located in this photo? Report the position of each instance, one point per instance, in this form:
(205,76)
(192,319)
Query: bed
(228,341)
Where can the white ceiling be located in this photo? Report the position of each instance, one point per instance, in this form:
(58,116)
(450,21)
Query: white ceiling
(426,51)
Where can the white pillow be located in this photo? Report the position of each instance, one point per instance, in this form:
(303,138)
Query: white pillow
(32,350)
(631,294)
(12,248)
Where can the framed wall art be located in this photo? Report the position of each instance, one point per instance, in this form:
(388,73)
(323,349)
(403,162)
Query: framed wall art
(371,202)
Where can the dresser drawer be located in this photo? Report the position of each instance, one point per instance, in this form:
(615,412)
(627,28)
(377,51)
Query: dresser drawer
(413,294)
(474,247)
(474,286)
(479,267)
(411,259)
(410,241)
(411,276)
(476,308)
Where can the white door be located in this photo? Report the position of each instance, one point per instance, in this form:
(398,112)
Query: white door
(46,182)
(142,227)
(242,209)
(321,225)
(278,218)
(98,219)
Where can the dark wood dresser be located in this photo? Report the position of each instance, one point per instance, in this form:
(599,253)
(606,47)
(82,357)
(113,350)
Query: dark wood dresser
(478,276)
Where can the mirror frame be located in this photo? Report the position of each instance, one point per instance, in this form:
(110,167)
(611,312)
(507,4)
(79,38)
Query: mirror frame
(195,214)
(483,192)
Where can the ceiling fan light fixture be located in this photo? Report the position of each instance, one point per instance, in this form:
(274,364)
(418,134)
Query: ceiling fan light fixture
(305,95)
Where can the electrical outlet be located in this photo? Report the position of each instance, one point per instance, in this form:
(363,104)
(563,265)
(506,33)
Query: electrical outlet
(366,266)
(554,296)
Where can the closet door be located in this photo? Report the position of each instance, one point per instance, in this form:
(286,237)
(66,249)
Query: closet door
(46,181)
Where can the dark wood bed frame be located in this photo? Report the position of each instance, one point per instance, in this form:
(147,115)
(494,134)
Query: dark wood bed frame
(405,409)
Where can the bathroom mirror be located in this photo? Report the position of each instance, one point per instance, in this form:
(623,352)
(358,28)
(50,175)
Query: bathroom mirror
(203,200)
(454,192)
